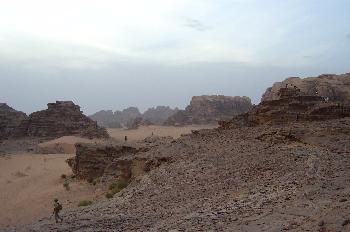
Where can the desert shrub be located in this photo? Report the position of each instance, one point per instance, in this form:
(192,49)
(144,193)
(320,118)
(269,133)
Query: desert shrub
(66,185)
(109,195)
(84,203)
(94,182)
(90,180)
(63,176)
(117,187)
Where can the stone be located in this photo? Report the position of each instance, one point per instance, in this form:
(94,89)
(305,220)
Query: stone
(210,109)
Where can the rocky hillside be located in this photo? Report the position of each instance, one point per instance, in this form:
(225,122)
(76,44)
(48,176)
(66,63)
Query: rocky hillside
(210,109)
(10,120)
(262,178)
(335,87)
(131,116)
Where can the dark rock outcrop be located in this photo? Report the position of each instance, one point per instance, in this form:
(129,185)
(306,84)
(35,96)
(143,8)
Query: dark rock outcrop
(10,121)
(334,87)
(60,119)
(91,160)
(209,109)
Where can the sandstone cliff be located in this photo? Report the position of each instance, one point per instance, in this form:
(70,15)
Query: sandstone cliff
(291,106)
(335,87)
(210,109)
(10,120)
(60,119)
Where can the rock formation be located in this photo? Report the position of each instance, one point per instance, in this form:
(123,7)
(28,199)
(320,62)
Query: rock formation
(129,117)
(106,118)
(334,87)
(91,160)
(10,121)
(210,109)
(291,106)
(60,119)
(159,114)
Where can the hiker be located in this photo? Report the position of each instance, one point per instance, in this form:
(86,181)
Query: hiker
(57,207)
(126,138)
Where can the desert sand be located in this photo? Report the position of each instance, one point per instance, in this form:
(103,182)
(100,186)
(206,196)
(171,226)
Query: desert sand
(30,182)
(145,131)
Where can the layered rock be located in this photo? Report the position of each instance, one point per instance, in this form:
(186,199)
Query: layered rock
(61,119)
(10,121)
(91,160)
(334,87)
(291,106)
(209,109)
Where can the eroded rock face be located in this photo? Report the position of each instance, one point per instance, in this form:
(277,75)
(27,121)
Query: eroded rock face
(60,119)
(10,121)
(291,107)
(335,87)
(91,160)
(209,109)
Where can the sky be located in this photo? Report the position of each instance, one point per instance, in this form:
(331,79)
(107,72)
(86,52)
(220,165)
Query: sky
(111,54)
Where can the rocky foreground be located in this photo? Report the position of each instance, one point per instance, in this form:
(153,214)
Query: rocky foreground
(293,177)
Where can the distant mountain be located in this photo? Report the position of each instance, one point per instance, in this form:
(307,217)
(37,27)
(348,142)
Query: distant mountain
(131,117)
(210,109)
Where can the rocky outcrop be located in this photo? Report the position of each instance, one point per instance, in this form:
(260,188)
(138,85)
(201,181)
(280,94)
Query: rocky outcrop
(291,106)
(91,160)
(209,109)
(334,87)
(61,119)
(10,121)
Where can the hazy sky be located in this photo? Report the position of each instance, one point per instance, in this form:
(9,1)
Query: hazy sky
(110,54)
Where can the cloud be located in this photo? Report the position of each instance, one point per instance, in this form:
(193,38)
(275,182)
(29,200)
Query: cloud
(196,25)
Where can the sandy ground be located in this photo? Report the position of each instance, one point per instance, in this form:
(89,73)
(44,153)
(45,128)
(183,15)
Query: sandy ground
(146,131)
(29,183)
(63,145)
